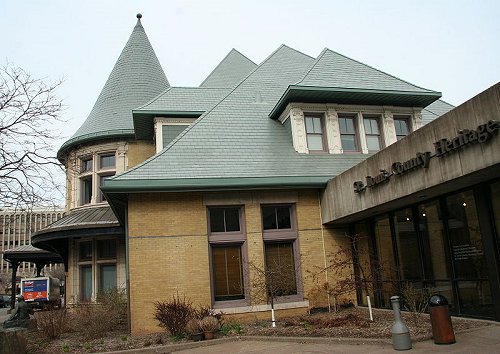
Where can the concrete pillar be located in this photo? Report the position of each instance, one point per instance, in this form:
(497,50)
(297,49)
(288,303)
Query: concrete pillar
(298,126)
(360,126)
(333,132)
(388,128)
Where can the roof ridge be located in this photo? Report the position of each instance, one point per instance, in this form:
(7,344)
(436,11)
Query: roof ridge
(380,71)
(296,50)
(222,61)
(314,63)
(199,119)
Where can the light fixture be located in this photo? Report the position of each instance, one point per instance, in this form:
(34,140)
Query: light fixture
(464,204)
(407,219)
(423,214)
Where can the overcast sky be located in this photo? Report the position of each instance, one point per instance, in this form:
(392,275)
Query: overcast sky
(448,46)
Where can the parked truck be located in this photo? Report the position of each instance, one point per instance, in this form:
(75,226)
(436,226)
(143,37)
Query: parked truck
(42,291)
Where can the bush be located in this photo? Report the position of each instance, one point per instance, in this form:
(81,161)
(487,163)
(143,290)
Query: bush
(203,312)
(173,315)
(231,329)
(95,320)
(51,323)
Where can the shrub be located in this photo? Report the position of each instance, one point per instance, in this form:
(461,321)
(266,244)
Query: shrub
(173,315)
(193,326)
(203,312)
(95,320)
(51,323)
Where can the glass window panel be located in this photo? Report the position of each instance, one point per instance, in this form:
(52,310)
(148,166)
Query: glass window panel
(434,242)
(217,220)
(86,190)
(465,237)
(102,179)
(107,161)
(106,249)
(170,132)
(232,219)
(87,165)
(385,266)
(269,218)
(280,268)
(346,125)
(283,216)
(371,126)
(309,125)
(224,219)
(373,142)
(227,273)
(495,199)
(85,251)
(348,142)
(475,298)
(107,277)
(401,125)
(315,142)
(408,247)
(86,283)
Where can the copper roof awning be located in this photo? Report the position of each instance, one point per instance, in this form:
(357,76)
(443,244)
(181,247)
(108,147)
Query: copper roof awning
(90,221)
(29,253)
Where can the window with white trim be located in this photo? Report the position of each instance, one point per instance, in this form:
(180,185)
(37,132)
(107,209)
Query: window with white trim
(348,134)
(314,132)
(167,129)
(372,132)
(94,170)
(402,126)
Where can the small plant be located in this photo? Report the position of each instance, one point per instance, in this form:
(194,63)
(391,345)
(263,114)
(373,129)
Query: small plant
(65,348)
(210,324)
(230,329)
(124,338)
(173,315)
(193,326)
(207,311)
(51,323)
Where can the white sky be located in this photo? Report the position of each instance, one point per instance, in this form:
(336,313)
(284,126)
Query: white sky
(449,46)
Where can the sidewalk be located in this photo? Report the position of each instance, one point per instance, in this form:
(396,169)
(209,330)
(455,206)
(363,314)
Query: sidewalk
(484,340)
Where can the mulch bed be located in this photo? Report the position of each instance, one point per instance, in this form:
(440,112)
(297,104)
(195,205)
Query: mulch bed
(347,323)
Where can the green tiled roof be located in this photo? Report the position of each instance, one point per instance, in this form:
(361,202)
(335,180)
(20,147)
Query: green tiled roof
(136,78)
(434,110)
(175,102)
(236,141)
(230,71)
(336,78)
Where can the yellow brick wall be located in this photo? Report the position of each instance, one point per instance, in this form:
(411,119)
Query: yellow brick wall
(138,151)
(169,251)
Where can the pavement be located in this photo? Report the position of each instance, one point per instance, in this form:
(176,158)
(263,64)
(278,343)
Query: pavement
(484,340)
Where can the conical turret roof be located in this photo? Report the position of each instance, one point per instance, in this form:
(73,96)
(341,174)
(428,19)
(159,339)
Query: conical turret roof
(136,78)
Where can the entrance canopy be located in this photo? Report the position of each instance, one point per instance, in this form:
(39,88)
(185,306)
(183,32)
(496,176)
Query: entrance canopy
(28,253)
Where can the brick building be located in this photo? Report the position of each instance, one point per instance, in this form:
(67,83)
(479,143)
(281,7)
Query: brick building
(191,190)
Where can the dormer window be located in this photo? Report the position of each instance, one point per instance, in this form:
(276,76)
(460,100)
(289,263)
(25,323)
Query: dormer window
(167,129)
(314,132)
(372,133)
(402,126)
(348,138)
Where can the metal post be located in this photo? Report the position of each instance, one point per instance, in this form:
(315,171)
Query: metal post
(14,265)
(400,334)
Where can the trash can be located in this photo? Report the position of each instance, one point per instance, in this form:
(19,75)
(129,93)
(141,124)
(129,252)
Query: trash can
(442,329)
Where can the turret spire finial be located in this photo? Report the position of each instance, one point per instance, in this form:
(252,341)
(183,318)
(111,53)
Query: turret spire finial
(139,16)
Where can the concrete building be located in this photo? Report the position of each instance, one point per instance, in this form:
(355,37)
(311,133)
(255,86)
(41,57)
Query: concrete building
(197,190)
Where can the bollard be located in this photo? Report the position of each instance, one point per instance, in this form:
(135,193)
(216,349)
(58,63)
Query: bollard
(400,334)
(442,329)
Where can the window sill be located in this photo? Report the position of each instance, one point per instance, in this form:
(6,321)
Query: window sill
(262,308)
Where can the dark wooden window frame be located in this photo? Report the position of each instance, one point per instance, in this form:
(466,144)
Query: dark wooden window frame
(324,140)
(379,135)
(354,118)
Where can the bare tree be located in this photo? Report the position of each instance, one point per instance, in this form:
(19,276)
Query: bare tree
(354,269)
(29,110)
(271,281)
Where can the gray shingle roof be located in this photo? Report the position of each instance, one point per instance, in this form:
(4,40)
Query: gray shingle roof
(434,110)
(230,71)
(175,102)
(136,78)
(185,99)
(236,139)
(332,69)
